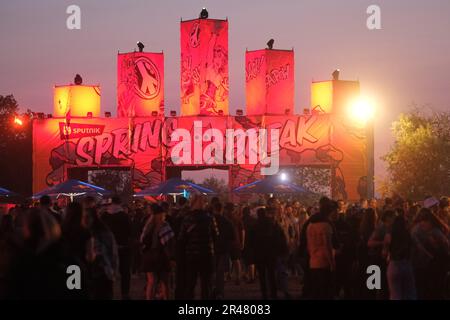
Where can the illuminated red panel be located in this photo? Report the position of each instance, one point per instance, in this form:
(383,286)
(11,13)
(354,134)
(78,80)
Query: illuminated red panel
(204,67)
(79,99)
(270,82)
(140,84)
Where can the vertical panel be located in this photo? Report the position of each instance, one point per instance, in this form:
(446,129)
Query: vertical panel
(204,67)
(140,84)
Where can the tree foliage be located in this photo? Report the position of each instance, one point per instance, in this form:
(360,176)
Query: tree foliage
(15,147)
(418,163)
(215,184)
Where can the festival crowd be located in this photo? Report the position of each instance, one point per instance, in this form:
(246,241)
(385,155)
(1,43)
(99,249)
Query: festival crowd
(329,247)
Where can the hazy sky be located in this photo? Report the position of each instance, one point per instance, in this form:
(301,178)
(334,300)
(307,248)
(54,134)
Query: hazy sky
(407,61)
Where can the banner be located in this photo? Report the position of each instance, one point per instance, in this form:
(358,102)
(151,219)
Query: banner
(204,67)
(79,99)
(140,84)
(269,76)
(148,146)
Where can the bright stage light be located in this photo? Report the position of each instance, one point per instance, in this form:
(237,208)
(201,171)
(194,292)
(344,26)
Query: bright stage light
(18,121)
(362,110)
(283,176)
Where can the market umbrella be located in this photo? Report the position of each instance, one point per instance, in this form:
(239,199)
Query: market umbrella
(272,185)
(173,186)
(73,188)
(7,196)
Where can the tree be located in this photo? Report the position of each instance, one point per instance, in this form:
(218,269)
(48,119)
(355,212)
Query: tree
(15,147)
(217,185)
(418,163)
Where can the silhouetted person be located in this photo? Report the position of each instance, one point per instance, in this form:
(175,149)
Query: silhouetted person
(222,248)
(319,235)
(45,203)
(269,244)
(75,240)
(120,225)
(102,257)
(199,233)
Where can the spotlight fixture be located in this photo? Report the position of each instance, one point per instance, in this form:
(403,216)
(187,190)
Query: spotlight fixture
(204,14)
(107,114)
(173,113)
(335,74)
(239,112)
(89,114)
(270,44)
(140,46)
(78,79)
(284,176)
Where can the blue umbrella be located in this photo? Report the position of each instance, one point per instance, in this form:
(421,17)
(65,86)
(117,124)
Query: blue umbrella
(73,188)
(9,196)
(173,186)
(271,185)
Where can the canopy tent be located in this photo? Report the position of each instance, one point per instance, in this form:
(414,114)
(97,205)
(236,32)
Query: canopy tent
(173,186)
(7,196)
(73,188)
(272,185)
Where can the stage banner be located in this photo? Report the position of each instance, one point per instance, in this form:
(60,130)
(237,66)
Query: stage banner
(280,82)
(255,82)
(269,76)
(204,67)
(96,143)
(140,84)
(78,99)
(248,144)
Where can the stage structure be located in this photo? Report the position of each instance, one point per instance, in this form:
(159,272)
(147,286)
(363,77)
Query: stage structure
(140,84)
(140,140)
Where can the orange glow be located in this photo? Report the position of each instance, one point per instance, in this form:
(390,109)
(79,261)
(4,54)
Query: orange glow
(80,99)
(322,95)
(361,110)
(18,121)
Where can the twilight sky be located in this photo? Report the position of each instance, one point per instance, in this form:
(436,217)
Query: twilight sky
(406,62)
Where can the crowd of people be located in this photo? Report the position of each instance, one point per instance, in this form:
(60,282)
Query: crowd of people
(328,247)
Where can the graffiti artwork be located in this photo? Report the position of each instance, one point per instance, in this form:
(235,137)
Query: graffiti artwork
(148,145)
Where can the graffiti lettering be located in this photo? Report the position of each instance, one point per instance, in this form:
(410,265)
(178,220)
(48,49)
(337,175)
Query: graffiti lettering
(254,68)
(276,75)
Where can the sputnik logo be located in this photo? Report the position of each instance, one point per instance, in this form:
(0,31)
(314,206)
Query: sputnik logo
(148,82)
